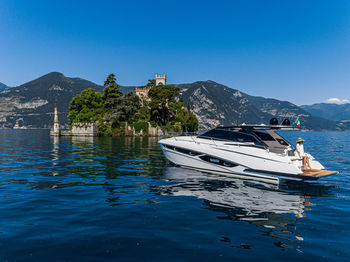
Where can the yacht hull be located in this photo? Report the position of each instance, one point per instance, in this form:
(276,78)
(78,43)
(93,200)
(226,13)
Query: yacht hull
(229,164)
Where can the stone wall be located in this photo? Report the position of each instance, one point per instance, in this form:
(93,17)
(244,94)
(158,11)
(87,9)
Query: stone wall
(152,131)
(142,92)
(84,129)
(91,129)
(81,129)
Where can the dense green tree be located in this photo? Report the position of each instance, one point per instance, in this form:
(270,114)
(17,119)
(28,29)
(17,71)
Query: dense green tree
(191,121)
(166,111)
(124,109)
(111,92)
(151,83)
(116,107)
(85,106)
(163,102)
(188,120)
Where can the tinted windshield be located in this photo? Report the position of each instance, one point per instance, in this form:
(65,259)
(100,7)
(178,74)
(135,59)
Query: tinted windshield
(230,135)
(264,136)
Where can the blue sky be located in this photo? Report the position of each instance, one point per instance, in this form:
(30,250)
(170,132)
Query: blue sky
(291,50)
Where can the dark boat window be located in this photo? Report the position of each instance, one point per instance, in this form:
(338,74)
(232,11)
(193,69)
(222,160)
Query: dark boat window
(264,136)
(217,161)
(231,136)
(182,150)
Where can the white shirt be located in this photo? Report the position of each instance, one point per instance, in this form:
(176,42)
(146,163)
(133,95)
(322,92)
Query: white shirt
(300,149)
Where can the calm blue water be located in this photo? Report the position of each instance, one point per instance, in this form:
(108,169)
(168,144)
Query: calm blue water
(118,199)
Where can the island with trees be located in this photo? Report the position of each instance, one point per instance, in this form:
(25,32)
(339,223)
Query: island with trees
(115,113)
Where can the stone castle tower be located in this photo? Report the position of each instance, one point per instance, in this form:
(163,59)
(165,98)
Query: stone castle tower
(142,92)
(160,79)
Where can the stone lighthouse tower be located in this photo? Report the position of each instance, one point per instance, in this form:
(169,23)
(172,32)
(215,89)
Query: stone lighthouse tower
(56,124)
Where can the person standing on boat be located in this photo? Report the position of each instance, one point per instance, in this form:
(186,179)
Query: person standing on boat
(301,153)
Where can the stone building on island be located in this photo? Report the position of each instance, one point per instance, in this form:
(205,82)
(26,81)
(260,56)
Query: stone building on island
(160,79)
(91,129)
(142,92)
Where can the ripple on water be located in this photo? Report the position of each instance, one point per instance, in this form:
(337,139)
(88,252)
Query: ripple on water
(118,198)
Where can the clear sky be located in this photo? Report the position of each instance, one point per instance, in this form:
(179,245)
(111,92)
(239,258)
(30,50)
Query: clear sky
(291,50)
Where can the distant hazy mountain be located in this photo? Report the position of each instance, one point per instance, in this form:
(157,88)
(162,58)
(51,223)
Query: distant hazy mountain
(127,89)
(3,87)
(32,104)
(216,104)
(329,111)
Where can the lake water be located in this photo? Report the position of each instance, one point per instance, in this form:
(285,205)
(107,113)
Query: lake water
(104,199)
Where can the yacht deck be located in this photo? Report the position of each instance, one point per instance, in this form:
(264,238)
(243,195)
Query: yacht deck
(318,173)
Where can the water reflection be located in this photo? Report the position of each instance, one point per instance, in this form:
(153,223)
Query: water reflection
(111,193)
(83,140)
(55,153)
(112,157)
(275,208)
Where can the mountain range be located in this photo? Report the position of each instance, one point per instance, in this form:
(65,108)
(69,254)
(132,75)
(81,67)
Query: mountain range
(3,87)
(32,103)
(216,104)
(340,112)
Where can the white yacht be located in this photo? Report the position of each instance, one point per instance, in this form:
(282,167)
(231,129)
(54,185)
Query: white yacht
(247,151)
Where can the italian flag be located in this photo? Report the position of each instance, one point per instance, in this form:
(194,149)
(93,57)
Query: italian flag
(297,122)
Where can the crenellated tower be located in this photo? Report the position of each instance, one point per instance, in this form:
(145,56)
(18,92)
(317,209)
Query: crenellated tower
(142,92)
(160,79)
